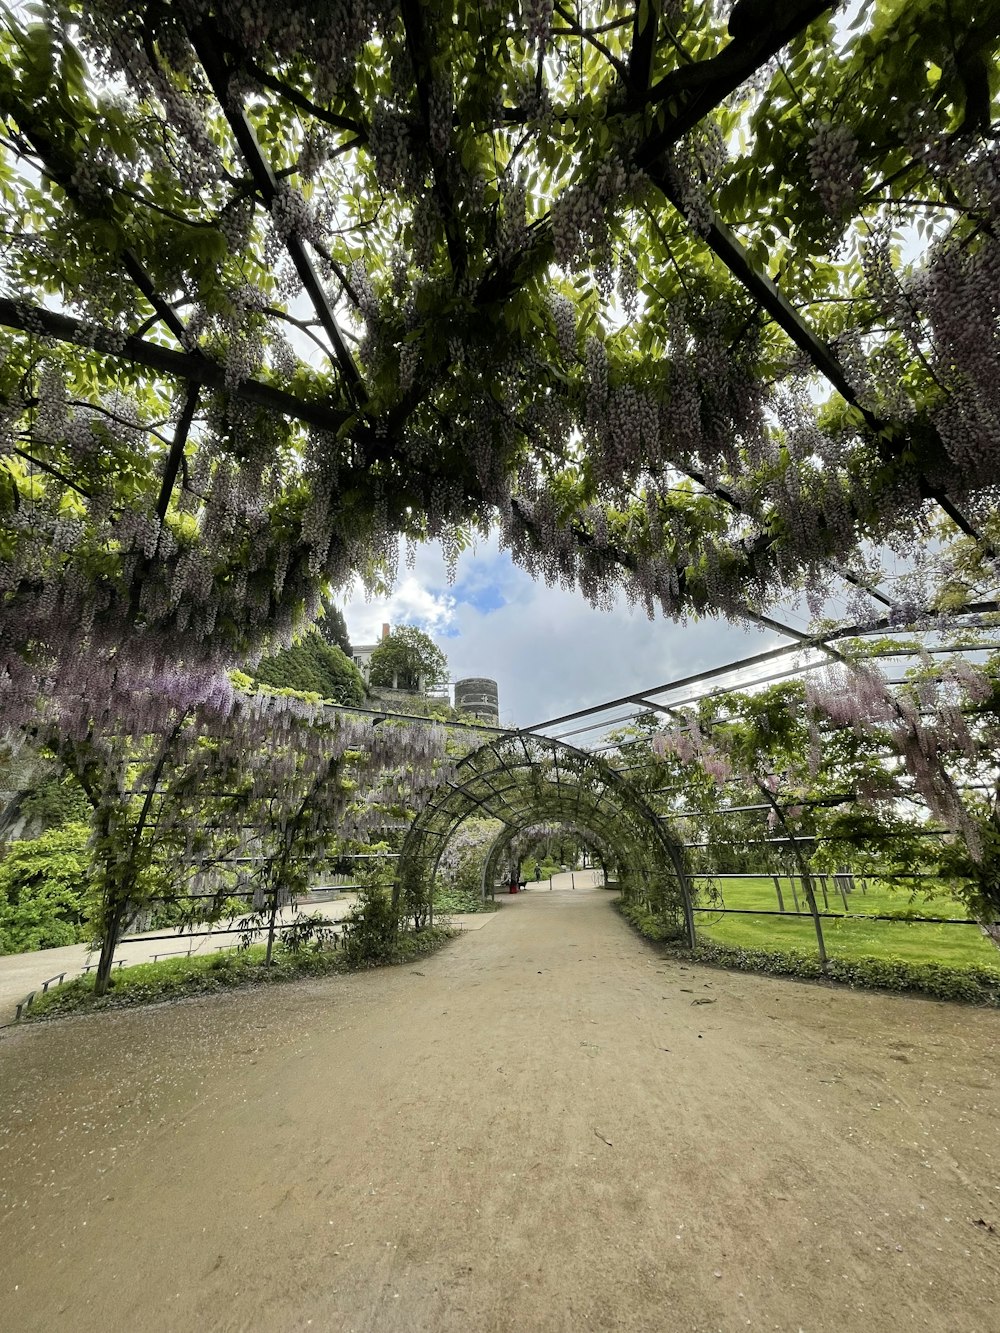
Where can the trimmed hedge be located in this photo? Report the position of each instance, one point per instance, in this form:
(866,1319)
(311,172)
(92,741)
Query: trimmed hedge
(967,985)
(314,667)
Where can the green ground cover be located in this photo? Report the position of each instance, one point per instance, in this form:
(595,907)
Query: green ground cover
(180,978)
(456,900)
(910,941)
(969,983)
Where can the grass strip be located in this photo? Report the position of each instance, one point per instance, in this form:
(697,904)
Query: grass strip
(180,978)
(969,984)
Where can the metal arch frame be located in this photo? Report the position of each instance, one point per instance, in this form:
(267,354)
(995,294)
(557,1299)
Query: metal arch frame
(582,758)
(541,793)
(608,828)
(507,837)
(593,823)
(582,788)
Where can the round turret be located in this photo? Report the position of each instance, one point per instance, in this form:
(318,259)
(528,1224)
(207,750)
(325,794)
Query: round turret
(479,696)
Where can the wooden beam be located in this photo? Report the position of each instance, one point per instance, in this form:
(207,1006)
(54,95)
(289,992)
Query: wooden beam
(176,453)
(190,367)
(208,49)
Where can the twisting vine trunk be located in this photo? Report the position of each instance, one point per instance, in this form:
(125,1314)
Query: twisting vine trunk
(120,864)
(804,871)
(990,874)
(113,923)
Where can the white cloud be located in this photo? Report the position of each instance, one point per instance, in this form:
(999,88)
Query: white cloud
(411,603)
(549,651)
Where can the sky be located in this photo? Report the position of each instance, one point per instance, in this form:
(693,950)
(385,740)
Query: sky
(549,651)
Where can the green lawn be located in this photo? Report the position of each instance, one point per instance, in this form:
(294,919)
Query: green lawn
(178,978)
(910,941)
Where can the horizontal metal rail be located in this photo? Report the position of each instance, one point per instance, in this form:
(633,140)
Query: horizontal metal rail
(224,894)
(812,643)
(747,809)
(812,837)
(185,953)
(202,934)
(819,874)
(843,916)
(29,999)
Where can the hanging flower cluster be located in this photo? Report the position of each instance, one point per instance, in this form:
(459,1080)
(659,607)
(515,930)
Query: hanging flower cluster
(493,356)
(835,169)
(688,743)
(207,778)
(925,725)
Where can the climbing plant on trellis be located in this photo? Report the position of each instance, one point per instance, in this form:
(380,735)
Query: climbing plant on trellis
(686,299)
(524,781)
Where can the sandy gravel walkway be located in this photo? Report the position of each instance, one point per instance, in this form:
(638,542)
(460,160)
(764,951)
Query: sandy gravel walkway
(543,1127)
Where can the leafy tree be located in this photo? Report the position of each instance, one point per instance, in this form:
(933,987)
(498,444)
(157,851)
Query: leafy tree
(57,800)
(332,627)
(43,890)
(406,659)
(314,666)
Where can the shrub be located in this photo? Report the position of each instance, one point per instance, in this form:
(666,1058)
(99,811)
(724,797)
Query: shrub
(369,930)
(973,985)
(462,900)
(314,667)
(43,884)
(307,931)
(659,929)
(179,978)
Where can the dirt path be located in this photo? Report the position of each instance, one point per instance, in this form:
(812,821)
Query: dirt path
(539,1128)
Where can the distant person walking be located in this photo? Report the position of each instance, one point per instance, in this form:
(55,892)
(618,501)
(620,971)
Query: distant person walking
(538,871)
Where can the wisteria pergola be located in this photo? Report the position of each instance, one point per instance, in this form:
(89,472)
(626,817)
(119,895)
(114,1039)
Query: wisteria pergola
(514,843)
(522,780)
(689,300)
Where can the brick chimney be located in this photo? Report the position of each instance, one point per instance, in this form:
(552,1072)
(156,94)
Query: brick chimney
(385,631)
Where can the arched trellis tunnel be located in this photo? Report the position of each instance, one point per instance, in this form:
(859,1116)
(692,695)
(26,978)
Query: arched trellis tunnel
(522,779)
(514,843)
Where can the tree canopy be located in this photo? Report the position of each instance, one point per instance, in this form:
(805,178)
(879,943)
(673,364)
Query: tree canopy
(690,300)
(408,659)
(333,628)
(314,666)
